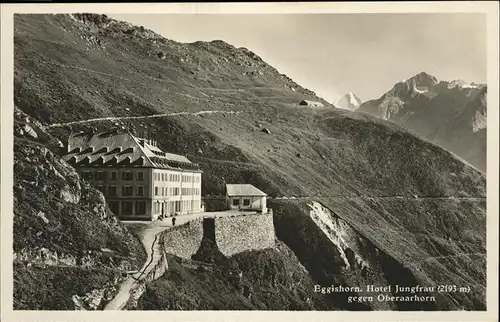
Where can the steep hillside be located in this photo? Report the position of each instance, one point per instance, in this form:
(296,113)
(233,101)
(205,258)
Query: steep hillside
(450,114)
(69,249)
(411,199)
(426,253)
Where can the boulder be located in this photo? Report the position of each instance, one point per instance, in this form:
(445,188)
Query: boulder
(29,131)
(266,130)
(41,215)
(68,195)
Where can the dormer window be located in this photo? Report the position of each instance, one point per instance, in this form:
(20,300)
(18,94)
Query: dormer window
(75,150)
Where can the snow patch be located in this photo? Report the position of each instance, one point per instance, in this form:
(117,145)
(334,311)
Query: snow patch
(479,122)
(421,90)
(462,84)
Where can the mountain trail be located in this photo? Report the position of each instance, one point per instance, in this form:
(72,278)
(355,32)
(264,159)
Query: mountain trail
(451,256)
(150,240)
(120,118)
(384,197)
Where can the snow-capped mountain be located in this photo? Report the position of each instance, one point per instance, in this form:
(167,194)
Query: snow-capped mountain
(349,102)
(445,112)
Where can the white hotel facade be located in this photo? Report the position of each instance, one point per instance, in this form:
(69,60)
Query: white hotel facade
(138,180)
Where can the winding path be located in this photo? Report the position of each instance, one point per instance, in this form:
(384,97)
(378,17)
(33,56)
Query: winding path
(150,241)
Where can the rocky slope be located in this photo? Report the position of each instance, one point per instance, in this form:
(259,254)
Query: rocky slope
(69,249)
(415,202)
(348,102)
(447,113)
(271,279)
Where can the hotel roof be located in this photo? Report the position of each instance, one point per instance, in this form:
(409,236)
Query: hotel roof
(121,149)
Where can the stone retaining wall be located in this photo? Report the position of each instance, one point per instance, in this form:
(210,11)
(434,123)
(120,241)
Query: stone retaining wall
(183,240)
(245,232)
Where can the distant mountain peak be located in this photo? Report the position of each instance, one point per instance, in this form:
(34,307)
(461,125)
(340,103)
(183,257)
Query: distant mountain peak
(448,113)
(349,101)
(423,79)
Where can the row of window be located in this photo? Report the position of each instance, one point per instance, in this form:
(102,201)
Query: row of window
(128,207)
(127,191)
(176,191)
(246,202)
(103,175)
(170,207)
(186,178)
(139,207)
(175,177)
(190,191)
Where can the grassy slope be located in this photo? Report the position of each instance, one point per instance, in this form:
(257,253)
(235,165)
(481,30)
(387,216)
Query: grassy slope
(309,152)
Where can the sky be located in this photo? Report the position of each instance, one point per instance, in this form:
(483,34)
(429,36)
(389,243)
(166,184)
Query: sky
(332,54)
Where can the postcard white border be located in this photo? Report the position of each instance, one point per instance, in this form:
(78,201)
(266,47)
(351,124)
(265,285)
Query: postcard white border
(490,9)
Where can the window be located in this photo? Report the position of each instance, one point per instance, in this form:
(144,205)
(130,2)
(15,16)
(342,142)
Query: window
(140,191)
(140,208)
(162,177)
(236,202)
(101,189)
(114,206)
(127,207)
(156,191)
(127,176)
(114,175)
(127,191)
(87,175)
(100,175)
(246,202)
(140,176)
(112,191)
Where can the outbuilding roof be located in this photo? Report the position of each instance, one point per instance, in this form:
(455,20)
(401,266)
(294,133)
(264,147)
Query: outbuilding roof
(234,190)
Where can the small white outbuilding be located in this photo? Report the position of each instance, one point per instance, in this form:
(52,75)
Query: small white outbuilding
(245,197)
